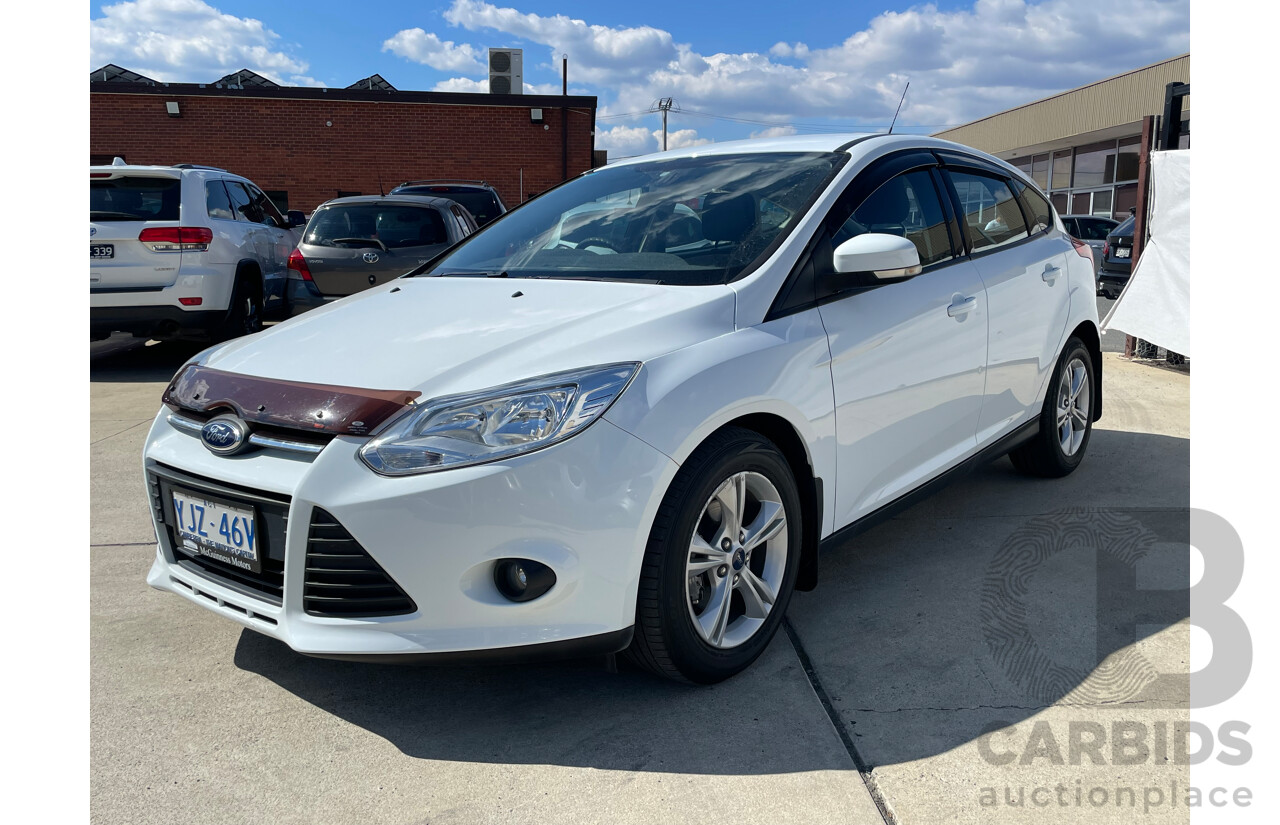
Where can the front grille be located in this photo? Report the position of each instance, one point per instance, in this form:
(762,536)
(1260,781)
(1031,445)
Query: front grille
(273,515)
(342,579)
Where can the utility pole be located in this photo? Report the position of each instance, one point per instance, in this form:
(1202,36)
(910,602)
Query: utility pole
(664,105)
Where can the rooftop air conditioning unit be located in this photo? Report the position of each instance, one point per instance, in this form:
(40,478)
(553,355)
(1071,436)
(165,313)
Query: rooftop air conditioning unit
(506,71)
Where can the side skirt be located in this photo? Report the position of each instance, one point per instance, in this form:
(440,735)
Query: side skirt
(990,453)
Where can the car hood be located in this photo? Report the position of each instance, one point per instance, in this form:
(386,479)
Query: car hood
(442,336)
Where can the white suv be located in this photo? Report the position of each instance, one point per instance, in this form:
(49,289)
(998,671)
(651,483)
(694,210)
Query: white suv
(183,252)
(637,434)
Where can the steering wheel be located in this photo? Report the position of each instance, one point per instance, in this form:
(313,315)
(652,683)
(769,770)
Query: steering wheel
(602,242)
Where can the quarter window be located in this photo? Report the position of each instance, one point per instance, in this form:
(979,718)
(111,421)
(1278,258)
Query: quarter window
(907,206)
(990,211)
(217,202)
(1037,207)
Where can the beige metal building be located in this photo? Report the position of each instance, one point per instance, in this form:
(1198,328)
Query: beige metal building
(1082,146)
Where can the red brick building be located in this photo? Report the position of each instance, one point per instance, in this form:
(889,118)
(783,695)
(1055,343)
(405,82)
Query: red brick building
(304,146)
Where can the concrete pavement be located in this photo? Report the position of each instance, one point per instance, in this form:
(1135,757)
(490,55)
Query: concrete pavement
(893,665)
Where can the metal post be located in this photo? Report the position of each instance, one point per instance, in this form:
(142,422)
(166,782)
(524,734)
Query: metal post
(564,119)
(664,106)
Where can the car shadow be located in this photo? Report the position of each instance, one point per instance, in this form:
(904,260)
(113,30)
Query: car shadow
(124,359)
(898,621)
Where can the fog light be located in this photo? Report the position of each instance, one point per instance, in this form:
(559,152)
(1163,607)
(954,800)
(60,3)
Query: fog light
(522,580)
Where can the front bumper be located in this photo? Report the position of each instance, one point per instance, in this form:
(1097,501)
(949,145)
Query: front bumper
(583,507)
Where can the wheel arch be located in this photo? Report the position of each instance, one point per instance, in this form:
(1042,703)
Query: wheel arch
(250,271)
(785,437)
(1087,332)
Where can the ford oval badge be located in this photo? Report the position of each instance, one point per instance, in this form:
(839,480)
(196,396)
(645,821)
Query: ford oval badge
(225,435)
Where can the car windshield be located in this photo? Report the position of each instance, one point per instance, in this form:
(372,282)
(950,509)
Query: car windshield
(481,203)
(691,220)
(135,199)
(358,225)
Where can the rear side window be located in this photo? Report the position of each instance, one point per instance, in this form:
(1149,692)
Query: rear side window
(481,203)
(907,206)
(1094,230)
(240,202)
(396,227)
(135,199)
(991,213)
(1038,208)
(217,201)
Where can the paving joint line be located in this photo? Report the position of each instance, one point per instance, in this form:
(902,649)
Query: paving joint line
(872,785)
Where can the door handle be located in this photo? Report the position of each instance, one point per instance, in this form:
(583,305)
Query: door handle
(1050,273)
(962,307)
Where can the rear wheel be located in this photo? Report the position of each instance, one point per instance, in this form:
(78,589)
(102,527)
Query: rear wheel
(1066,420)
(244,316)
(721,561)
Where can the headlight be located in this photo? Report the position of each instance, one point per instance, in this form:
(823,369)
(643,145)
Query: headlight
(499,423)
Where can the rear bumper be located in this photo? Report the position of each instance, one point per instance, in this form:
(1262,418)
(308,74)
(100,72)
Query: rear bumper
(154,321)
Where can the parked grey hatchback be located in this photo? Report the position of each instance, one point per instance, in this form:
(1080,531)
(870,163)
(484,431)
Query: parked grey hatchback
(353,243)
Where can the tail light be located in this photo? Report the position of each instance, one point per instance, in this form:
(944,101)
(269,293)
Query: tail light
(177,238)
(1083,250)
(1106,248)
(299,264)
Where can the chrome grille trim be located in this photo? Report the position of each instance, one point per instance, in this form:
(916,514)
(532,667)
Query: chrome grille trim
(193,427)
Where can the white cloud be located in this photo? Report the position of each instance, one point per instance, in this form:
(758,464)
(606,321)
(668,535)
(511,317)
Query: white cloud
(462,84)
(425,47)
(623,141)
(601,52)
(186,41)
(774,131)
(962,63)
(680,138)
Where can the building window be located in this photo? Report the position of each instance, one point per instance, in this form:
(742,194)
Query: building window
(1059,201)
(342,193)
(1127,159)
(1061,170)
(1095,164)
(280,198)
(1040,171)
(1126,198)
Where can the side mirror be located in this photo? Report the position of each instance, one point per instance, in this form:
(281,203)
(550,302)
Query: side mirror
(294,217)
(877,259)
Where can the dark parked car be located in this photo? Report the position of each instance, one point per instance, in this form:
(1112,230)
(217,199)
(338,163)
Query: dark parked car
(354,243)
(1117,261)
(1092,230)
(479,198)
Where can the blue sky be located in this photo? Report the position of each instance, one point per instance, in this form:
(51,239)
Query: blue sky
(737,70)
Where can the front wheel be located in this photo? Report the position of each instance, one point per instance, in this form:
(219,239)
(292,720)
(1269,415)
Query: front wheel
(721,561)
(1066,420)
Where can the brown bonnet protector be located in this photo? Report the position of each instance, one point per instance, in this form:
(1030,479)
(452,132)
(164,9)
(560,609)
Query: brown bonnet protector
(322,409)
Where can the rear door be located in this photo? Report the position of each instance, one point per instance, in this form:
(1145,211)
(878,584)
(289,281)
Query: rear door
(121,205)
(1021,257)
(351,247)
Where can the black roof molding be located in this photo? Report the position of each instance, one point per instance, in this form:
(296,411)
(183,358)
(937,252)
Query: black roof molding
(111,73)
(275,92)
(246,79)
(373,82)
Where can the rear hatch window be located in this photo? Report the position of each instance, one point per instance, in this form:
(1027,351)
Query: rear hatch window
(481,203)
(134,199)
(359,225)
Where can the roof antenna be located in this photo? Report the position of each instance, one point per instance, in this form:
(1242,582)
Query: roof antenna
(899,109)
(380,192)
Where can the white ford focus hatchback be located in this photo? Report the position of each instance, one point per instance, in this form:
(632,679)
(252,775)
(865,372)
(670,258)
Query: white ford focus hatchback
(628,414)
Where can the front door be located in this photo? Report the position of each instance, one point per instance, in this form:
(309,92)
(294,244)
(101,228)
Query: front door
(907,359)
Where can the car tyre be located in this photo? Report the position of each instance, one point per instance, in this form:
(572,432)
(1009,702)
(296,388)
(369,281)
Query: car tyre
(244,316)
(709,601)
(1066,420)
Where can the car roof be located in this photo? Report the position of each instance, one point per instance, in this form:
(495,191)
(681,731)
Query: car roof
(857,144)
(404,199)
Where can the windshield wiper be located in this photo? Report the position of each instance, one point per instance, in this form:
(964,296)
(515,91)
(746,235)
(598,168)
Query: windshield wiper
(114,216)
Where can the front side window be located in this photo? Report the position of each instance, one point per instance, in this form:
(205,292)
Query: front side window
(689,221)
(374,224)
(264,207)
(907,206)
(991,213)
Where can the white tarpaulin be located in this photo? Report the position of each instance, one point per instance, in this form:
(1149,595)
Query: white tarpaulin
(1156,303)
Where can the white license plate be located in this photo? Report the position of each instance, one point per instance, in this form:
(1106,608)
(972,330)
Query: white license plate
(218,530)
(1123,253)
